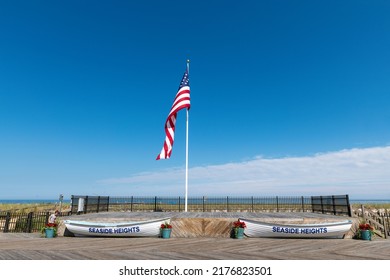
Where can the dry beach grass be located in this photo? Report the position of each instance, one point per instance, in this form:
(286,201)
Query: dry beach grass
(43,207)
(33,207)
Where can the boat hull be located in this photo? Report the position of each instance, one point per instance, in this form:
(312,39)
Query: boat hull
(325,230)
(149,228)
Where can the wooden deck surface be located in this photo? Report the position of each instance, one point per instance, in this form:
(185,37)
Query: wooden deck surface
(31,246)
(14,246)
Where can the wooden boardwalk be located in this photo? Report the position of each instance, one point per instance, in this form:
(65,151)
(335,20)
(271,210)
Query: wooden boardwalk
(14,246)
(24,246)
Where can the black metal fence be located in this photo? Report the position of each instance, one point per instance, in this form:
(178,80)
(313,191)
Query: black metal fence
(82,204)
(35,221)
(334,204)
(23,222)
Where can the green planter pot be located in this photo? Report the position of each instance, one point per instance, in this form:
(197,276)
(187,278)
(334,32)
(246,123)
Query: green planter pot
(365,235)
(49,232)
(239,233)
(166,232)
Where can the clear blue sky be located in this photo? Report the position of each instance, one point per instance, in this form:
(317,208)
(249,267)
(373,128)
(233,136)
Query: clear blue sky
(287,97)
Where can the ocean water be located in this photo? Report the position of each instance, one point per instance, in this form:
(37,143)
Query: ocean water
(53,201)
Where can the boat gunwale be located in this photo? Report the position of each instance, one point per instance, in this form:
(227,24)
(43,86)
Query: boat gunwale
(328,224)
(111,224)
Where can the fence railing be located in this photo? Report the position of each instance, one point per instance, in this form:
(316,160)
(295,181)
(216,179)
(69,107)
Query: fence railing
(380,220)
(23,222)
(89,204)
(335,204)
(35,221)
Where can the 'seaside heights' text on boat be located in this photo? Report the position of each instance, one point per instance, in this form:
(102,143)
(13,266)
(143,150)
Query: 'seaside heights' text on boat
(149,228)
(324,230)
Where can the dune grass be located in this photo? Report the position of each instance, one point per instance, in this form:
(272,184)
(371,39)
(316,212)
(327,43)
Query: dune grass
(371,205)
(51,207)
(33,207)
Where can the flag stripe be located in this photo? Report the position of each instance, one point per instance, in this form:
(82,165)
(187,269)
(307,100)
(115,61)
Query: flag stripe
(182,100)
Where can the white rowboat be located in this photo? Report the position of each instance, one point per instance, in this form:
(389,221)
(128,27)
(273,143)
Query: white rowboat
(324,230)
(150,228)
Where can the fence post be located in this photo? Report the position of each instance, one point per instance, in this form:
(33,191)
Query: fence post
(350,211)
(322,205)
(252,205)
(386,219)
(384,227)
(7,222)
(47,217)
(203,202)
(131,204)
(277,204)
(86,205)
(227,204)
(349,206)
(29,222)
(98,204)
(334,205)
(155,203)
(71,203)
(303,205)
(179,205)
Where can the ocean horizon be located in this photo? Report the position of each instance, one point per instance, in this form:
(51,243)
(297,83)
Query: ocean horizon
(54,201)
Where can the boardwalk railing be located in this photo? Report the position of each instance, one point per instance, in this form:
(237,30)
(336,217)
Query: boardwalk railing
(379,219)
(35,221)
(334,204)
(23,222)
(89,204)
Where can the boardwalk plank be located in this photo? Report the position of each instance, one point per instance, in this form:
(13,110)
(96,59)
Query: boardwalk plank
(63,248)
(23,246)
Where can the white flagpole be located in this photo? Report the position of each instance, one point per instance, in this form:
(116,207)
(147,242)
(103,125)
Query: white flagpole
(186,192)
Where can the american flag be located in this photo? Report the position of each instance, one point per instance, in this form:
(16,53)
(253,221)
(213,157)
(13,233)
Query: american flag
(182,100)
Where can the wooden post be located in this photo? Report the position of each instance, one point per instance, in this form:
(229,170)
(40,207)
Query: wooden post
(29,222)
(350,211)
(47,217)
(387,223)
(7,222)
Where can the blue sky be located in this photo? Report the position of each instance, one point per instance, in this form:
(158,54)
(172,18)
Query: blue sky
(287,98)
